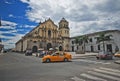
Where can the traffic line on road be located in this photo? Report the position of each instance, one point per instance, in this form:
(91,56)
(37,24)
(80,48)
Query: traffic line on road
(92,77)
(77,79)
(95,62)
(104,75)
(1,54)
(99,74)
(109,69)
(108,72)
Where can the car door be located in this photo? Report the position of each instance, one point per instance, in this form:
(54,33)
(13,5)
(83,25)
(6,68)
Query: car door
(61,57)
(54,57)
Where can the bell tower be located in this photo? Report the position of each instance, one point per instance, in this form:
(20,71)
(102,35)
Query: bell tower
(64,33)
(64,28)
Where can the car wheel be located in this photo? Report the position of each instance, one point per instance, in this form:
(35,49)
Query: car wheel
(97,58)
(47,60)
(65,60)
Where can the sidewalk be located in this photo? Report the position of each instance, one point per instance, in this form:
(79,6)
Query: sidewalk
(117,62)
(77,56)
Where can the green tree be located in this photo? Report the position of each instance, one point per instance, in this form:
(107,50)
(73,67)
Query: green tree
(77,40)
(82,40)
(102,38)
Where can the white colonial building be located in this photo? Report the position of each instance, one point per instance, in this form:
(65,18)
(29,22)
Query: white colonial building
(93,46)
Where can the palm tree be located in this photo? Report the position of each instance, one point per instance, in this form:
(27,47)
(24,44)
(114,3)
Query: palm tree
(82,40)
(102,38)
(77,40)
(85,40)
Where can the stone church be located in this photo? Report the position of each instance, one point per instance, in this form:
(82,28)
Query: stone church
(46,35)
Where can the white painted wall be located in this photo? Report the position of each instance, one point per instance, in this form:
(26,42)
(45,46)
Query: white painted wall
(115,42)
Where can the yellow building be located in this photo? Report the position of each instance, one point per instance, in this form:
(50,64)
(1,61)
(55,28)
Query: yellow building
(46,35)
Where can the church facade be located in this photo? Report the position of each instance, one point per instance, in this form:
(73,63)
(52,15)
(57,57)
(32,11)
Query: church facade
(46,35)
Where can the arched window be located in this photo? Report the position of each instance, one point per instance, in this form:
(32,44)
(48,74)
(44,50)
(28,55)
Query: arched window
(49,33)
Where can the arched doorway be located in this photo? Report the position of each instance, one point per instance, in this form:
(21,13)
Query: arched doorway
(73,48)
(34,49)
(60,48)
(49,45)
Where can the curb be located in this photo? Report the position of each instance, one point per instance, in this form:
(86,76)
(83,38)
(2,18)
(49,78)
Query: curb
(117,62)
(79,58)
(82,57)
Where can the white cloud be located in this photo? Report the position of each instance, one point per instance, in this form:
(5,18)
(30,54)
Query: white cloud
(11,43)
(9,34)
(84,16)
(6,1)
(9,27)
(6,24)
(10,15)
(29,26)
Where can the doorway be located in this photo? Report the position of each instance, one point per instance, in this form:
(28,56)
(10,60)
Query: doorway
(73,48)
(92,49)
(60,48)
(34,49)
(49,45)
(109,47)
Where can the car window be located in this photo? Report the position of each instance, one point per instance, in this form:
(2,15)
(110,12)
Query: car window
(61,54)
(109,53)
(54,54)
(106,52)
(39,51)
(101,52)
(57,54)
(118,52)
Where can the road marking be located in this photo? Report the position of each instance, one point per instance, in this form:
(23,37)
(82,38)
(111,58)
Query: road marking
(104,75)
(77,79)
(108,72)
(109,69)
(90,61)
(1,54)
(92,77)
(99,74)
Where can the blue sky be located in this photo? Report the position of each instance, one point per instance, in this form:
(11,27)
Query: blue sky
(15,23)
(18,17)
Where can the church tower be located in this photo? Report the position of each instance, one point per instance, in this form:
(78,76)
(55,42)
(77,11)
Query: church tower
(64,34)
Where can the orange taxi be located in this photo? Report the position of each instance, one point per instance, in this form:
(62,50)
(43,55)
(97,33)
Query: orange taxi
(57,56)
(117,54)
